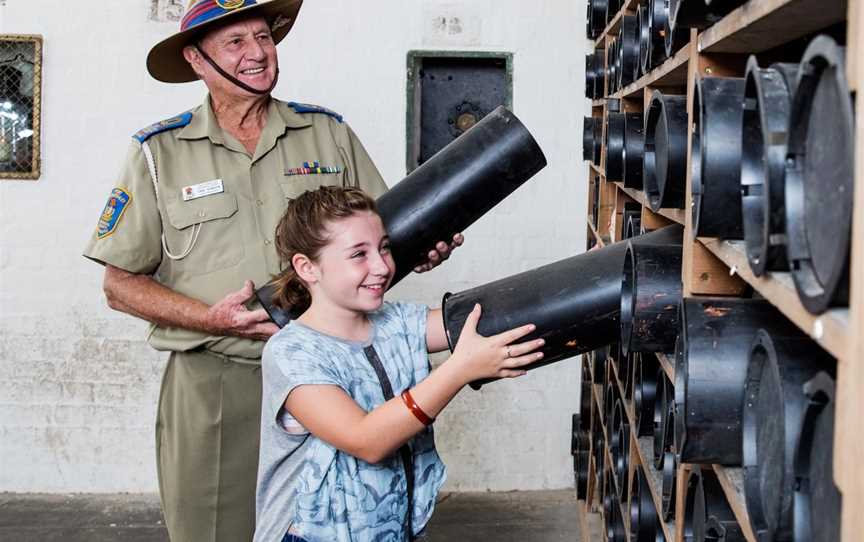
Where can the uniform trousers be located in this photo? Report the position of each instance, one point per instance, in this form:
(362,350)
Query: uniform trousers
(207,435)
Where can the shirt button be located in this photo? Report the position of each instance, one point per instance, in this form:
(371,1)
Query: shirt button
(259,202)
(266,241)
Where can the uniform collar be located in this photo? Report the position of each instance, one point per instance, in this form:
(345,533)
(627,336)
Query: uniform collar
(279,118)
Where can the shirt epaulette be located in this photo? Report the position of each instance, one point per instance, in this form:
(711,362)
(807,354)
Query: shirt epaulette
(163,126)
(309,108)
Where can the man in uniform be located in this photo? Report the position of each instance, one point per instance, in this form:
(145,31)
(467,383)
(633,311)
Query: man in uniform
(187,233)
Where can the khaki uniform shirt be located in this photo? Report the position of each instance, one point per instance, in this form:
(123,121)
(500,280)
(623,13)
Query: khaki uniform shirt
(228,234)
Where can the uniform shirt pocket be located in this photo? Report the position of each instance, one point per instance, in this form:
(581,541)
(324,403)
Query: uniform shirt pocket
(207,228)
(293,185)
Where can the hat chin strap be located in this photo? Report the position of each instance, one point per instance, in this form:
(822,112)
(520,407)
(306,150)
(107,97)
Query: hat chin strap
(233,79)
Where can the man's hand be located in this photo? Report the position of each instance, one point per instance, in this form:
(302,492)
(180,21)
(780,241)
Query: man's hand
(442,252)
(231,317)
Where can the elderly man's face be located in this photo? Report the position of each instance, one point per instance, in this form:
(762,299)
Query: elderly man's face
(244,50)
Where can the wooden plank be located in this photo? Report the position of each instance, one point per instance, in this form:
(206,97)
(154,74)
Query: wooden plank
(672,73)
(668,365)
(848,437)
(600,242)
(732,481)
(829,329)
(681,477)
(652,221)
(760,25)
(710,275)
(675,215)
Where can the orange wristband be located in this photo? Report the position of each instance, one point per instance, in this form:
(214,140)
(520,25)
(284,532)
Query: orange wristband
(415,408)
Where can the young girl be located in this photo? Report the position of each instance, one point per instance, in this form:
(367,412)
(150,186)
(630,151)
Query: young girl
(348,400)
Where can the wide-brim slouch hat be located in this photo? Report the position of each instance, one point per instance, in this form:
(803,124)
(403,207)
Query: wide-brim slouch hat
(166,63)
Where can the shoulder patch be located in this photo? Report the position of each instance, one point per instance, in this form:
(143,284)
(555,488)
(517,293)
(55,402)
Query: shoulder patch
(309,108)
(113,212)
(163,126)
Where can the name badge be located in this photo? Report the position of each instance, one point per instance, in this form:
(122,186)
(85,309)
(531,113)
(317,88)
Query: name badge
(200,190)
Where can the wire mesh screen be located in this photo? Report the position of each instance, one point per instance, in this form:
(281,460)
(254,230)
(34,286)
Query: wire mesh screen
(20,87)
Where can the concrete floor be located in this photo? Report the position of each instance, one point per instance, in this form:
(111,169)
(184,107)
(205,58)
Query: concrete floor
(524,516)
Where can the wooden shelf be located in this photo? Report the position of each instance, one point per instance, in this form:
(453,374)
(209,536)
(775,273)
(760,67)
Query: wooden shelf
(718,267)
(830,329)
(668,365)
(732,481)
(600,241)
(596,169)
(676,215)
(590,523)
(760,25)
(672,73)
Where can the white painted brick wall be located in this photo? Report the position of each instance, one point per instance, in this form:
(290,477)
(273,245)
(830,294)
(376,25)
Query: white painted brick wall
(78,385)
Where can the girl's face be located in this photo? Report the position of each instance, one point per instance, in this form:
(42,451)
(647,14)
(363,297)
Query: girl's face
(355,268)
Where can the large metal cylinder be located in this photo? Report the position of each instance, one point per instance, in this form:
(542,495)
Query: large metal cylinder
(643,513)
(595,202)
(658,17)
(585,400)
(820,178)
(711,358)
(592,139)
(716,157)
(665,156)
(774,405)
(616,531)
(597,17)
(675,36)
(629,50)
(660,419)
(650,294)
(612,66)
(599,73)
(707,515)
(765,121)
(580,449)
(598,446)
(449,192)
(698,13)
(669,485)
(458,185)
(644,393)
(615,129)
(634,148)
(644,37)
(612,8)
(817,499)
(633,226)
(631,364)
(575,303)
(620,449)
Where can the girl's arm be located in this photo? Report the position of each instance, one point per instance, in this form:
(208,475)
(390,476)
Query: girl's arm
(436,336)
(332,415)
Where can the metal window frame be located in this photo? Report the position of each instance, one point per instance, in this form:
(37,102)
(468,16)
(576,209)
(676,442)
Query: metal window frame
(36,166)
(412,94)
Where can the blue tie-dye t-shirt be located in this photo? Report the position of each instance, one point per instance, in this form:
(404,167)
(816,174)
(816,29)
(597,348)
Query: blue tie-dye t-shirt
(317,491)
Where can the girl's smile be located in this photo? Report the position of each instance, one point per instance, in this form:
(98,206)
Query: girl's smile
(354,269)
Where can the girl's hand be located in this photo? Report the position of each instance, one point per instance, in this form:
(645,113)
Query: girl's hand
(496,356)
